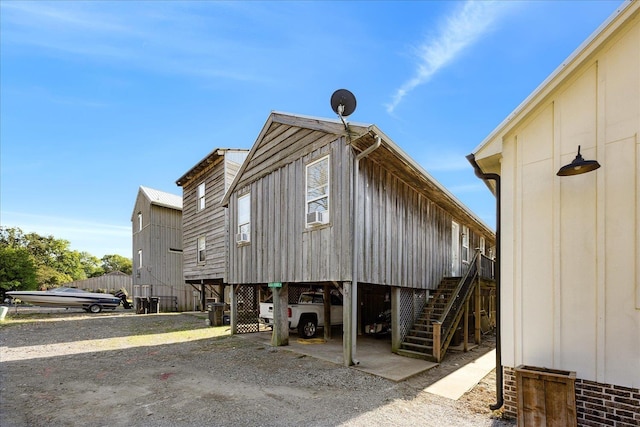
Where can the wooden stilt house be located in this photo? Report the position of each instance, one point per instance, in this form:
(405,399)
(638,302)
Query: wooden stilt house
(320,203)
(204,224)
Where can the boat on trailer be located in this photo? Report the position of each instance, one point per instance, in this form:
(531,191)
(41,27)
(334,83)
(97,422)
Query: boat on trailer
(68,298)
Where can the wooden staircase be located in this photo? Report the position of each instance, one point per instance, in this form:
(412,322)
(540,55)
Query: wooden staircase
(418,343)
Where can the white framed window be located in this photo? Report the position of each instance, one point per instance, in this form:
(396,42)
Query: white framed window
(139,258)
(139,221)
(202,249)
(244,219)
(465,243)
(482,245)
(317,192)
(200,197)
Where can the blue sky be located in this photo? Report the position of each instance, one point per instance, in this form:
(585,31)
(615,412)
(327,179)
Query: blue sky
(98,98)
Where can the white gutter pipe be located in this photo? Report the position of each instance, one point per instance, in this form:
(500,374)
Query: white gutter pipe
(354,274)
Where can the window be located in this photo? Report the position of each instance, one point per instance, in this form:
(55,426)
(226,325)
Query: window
(482,245)
(139,258)
(465,243)
(317,192)
(201,199)
(201,249)
(244,219)
(139,221)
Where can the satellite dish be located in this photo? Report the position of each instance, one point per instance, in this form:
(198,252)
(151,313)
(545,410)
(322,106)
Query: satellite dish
(343,103)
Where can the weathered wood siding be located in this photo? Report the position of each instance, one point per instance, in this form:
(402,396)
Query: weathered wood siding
(209,222)
(404,219)
(161,232)
(406,238)
(109,282)
(282,249)
(161,241)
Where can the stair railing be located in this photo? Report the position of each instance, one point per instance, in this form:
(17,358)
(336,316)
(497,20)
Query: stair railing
(442,328)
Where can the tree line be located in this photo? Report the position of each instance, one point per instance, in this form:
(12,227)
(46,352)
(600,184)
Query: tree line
(29,261)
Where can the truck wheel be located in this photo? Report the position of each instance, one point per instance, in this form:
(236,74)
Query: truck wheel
(307,327)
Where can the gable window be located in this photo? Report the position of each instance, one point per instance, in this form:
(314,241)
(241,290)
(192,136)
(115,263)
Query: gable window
(317,192)
(201,249)
(139,221)
(200,197)
(465,243)
(244,219)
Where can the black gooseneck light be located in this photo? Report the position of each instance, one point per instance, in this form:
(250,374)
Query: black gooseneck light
(578,166)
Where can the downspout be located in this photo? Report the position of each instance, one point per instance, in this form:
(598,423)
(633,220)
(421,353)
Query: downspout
(354,274)
(494,177)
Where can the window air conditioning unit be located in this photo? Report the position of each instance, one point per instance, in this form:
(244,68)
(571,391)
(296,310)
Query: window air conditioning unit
(242,237)
(316,218)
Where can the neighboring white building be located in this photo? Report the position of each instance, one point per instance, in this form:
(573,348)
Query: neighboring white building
(570,245)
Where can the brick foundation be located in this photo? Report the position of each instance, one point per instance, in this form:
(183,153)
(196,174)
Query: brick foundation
(596,404)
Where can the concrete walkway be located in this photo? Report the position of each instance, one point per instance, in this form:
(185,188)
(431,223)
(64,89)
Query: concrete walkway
(457,383)
(375,357)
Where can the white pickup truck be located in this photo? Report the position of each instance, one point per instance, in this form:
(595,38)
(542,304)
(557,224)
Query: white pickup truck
(307,314)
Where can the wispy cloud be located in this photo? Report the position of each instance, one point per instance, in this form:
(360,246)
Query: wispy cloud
(167,38)
(468,23)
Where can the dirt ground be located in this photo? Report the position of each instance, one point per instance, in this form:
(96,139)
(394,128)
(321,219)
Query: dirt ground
(69,368)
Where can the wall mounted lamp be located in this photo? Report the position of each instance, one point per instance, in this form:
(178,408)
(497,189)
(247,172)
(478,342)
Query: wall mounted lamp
(578,166)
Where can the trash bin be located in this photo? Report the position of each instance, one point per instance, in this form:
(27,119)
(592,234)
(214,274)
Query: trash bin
(215,310)
(154,306)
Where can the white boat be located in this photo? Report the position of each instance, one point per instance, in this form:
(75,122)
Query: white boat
(68,298)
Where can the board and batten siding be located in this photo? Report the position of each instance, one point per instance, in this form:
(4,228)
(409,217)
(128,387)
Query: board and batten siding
(161,232)
(282,248)
(209,222)
(404,239)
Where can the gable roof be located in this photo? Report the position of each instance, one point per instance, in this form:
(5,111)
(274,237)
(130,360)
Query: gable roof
(160,198)
(361,136)
(491,145)
(206,161)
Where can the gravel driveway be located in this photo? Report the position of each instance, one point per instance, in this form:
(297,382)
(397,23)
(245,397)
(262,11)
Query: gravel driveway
(69,368)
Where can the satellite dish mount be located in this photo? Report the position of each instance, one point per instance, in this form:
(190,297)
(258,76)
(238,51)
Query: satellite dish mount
(343,103)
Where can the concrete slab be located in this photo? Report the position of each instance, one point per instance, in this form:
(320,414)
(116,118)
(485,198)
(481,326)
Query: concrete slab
(374,355)
(454,385)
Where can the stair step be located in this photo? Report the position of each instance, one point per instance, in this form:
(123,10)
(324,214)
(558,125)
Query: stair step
(420,333)
(417,347)
(416,355)
(428,342)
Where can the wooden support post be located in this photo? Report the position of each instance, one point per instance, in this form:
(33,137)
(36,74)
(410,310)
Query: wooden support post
(327,312)
(478,299)
(465,326)
(280,334)
(347,337)
(396,339)
(478,316)
(436,326)
(234,309)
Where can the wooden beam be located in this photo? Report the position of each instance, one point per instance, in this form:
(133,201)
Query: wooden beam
(465,332)
(327,312)
(437,328)
(478,314)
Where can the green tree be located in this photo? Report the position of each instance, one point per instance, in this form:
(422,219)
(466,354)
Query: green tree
(112,263)
(17,270)
(91,265)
